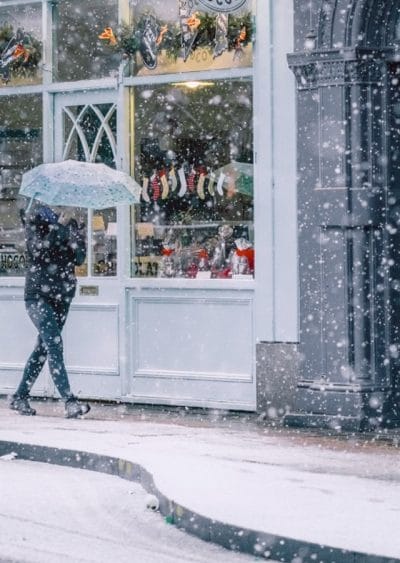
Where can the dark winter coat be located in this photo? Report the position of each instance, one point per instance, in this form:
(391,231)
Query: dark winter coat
(53,251)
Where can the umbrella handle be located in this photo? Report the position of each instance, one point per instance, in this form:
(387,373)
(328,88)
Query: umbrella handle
(30,204)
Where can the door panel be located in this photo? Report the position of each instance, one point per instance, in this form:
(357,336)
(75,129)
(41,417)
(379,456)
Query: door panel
(85,130)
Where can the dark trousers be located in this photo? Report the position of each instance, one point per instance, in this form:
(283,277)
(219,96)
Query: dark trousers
(49,317)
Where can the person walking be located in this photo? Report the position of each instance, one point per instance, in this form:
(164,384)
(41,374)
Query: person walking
(55,245)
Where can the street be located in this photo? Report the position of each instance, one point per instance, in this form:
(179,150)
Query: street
(52,514)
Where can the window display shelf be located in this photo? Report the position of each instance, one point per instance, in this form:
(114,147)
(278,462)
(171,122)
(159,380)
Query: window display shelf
(197,250)
(205,225)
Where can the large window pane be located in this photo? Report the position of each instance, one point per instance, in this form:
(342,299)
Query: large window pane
(79,54)
(20,150)
(20,44)
(193,155)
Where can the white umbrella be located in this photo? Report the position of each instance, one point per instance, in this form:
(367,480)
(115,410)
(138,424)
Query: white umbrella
(80,184)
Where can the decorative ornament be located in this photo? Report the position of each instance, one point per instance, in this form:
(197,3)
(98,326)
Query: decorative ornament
(182,178)
(173,179)
(211,183)
(221,35)
(190,180)
(108,35)
(203,260)
(189,28)
(145,37)
(145,187)
(167,266)
(238,54)
(163,31)
(164,182)
(200,183)
(155,185)
(220,183)
(219,260)
(149,42)
(149,35)
(20,53)
(243,257)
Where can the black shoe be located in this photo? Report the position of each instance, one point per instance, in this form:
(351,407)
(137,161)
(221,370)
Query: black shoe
(73,409)
(22,406)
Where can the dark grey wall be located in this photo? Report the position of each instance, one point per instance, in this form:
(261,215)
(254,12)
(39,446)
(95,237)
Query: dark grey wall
(348,204)
(277,372)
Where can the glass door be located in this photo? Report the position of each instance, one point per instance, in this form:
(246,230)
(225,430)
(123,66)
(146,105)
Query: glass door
(86,130)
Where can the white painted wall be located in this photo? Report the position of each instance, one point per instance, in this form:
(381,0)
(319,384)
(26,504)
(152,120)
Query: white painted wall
(284,176)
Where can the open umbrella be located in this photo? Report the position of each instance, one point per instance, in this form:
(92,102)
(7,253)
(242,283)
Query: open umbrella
(241,173)
(79,184)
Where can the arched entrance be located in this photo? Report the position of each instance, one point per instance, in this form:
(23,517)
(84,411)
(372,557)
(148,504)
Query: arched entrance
(348,103)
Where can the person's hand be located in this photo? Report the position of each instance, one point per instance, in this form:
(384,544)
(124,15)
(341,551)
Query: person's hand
(66,215)
(64,218)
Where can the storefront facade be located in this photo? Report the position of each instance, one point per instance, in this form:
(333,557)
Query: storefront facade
(185,297)
(346,62)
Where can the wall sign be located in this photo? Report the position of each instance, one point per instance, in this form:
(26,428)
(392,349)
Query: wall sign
(92,290)
(226,6)
(12,261)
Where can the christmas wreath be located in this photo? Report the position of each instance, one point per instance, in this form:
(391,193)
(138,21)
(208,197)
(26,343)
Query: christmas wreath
(148,35)
(20,52)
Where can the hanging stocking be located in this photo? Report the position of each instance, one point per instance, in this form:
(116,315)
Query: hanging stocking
(182,178)
(190,180)
(211,183)
(173,179)
(164,182)
(200,183)
(145,188)
(155,185)
(220,184)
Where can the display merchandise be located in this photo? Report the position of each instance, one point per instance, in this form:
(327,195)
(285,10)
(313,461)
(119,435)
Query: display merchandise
(193,158)
(20,52)
(149,35)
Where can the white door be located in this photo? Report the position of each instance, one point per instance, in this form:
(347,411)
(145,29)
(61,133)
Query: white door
(85,129)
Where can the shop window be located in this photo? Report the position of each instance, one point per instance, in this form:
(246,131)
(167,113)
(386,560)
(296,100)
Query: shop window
(193,155)
(169,36)
(20,45)
(79,54)
(20,150)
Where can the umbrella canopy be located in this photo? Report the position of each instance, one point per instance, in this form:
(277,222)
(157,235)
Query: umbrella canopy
(241,173)
(79,184)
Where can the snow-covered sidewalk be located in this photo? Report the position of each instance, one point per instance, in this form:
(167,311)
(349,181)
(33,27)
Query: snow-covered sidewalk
(51,514)
(318,490)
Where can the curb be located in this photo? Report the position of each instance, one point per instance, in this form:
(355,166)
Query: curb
(261,544)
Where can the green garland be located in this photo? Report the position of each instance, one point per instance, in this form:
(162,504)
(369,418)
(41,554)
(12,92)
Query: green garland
(24,64)
(128,36)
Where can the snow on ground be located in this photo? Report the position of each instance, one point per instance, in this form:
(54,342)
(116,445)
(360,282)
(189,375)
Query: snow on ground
(52,514)
(327,492)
